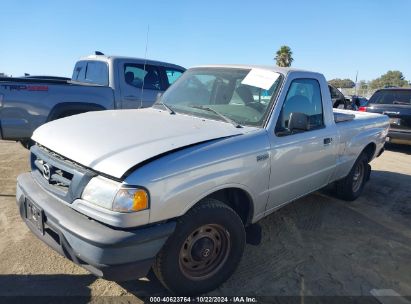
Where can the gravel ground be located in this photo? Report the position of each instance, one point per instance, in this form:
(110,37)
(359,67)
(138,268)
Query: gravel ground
(318,245)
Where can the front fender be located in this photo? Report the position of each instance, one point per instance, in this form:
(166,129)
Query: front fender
(178,181)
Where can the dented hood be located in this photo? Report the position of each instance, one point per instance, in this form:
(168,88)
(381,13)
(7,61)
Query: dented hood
(112,142)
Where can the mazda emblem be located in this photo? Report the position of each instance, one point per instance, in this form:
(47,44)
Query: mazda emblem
(46,171)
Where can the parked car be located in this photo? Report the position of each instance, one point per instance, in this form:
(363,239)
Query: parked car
(338,99)
(362,101)
(356,102)
(98,83)
(174,186)
(396,103)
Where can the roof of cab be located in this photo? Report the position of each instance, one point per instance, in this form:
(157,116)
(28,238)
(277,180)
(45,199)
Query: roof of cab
(273,68)
(394,89)
(135,59)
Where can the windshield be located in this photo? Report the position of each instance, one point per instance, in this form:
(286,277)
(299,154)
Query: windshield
(227,92)
(95,72)
(392,97)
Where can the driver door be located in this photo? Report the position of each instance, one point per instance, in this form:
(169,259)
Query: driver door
(140,85)
(304,161)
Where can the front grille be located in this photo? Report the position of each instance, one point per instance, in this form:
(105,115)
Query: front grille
(59,175)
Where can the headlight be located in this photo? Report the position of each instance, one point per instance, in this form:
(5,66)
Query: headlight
(130,200)
(115,196)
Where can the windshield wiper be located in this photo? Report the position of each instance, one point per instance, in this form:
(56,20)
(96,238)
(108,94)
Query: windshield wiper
(237,125)
(170,110)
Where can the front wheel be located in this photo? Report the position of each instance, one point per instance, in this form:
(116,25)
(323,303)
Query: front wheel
(27,143)
(350,187)
(204,250)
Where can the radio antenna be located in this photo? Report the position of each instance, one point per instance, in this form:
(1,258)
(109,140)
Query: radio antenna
(144,67)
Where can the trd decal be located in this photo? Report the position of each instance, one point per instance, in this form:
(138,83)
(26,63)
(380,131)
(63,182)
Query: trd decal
(16,87)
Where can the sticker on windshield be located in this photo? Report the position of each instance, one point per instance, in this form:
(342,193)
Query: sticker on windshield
(260,78)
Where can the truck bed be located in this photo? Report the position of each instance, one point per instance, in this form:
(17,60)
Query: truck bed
(44,80)
(35,79)
(26,103)
(355,129)
(342,117)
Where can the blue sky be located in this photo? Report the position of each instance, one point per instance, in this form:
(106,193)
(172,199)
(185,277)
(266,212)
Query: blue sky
(336,38)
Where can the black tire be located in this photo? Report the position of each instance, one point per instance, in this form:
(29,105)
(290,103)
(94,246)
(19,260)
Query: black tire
(27,143)
(351,187)
(185,247)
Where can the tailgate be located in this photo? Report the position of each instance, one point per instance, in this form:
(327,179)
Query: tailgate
(400,115)
(21,106)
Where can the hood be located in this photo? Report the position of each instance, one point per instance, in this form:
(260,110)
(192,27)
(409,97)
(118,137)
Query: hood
(111,142)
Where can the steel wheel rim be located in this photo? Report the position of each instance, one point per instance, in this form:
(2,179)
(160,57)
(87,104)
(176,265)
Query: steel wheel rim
(204,252)
(358,177)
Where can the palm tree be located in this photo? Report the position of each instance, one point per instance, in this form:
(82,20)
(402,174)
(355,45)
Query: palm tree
(284,56)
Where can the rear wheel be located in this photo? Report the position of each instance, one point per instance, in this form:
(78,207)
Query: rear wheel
(351,187)
(69,113)
(204,250)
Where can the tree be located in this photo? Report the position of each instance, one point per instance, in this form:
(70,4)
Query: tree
(389,79)
(284,56)
(342,83)
(363,85)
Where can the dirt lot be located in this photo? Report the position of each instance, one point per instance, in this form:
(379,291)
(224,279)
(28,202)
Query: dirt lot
(318,245)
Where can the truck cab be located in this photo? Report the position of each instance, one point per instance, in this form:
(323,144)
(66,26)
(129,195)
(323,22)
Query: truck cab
(136,82)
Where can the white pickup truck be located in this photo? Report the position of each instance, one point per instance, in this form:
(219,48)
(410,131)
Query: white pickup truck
(175,186)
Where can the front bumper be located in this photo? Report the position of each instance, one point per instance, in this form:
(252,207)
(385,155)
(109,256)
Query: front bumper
(112,253)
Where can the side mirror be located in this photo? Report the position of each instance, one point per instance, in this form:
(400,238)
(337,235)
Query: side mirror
(298,121)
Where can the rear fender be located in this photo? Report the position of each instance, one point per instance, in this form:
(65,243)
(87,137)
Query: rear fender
(72,107)
(356,145)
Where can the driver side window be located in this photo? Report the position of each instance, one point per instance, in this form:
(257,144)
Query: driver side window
(304,96)
(138,74)
(246,95)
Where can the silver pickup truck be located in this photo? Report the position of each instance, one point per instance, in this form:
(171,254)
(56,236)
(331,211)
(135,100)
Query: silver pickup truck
(99,82)
(175,186)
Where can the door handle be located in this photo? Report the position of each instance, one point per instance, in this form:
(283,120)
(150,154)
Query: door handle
(131,97)
(327,141)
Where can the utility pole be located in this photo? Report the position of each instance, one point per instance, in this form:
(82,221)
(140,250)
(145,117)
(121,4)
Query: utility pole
(356,78)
